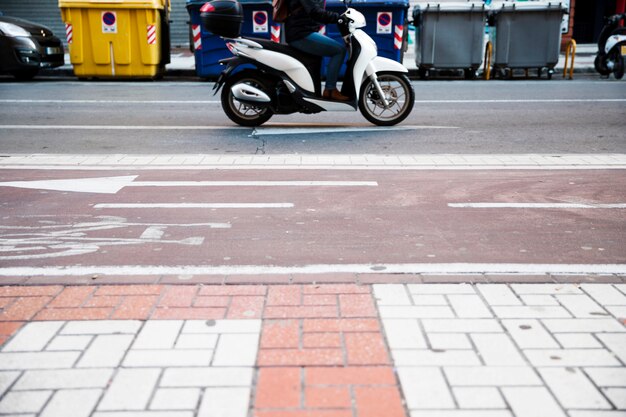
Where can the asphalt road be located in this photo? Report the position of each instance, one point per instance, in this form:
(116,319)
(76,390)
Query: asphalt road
(465,117)
(192,222)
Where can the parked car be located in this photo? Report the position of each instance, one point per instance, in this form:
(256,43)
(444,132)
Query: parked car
(26,47)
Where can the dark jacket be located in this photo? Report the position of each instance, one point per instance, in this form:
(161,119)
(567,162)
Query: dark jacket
(305,17)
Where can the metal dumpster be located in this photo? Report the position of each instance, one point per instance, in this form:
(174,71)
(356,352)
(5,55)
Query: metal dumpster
(449,36)
(528,35)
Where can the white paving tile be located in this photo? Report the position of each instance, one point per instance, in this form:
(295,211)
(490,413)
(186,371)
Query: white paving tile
(404,334)
(607,295)
(498,295)
(158,334)
(415,312)
(546,289)
(70,342)
(33,337)
(411,357)
(197,341)
(577,340)
(425,388)
(225,402)
(449,341)
(106,350)
(24,401)
(64,379)
(37,360)
(478,397)
(617,396)
(529,334)
(571,357)
(496,376)
(7,378)
(74,403)
(236,350)
(573,389)
(391,294)
(461,413)
(616,343)
(530,312)
(429,300)
(581,306)
(532,402)
(607,377)
(102,327)
(207,377)
(167,358)
(175,399)
(131,389)
(143,414)
(539,300)
(584,325)
(497,350)
(596,413)
(469,306)
(222,326)
(462,326)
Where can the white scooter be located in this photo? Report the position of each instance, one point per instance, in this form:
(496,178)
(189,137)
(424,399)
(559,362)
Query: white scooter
(266,78)
(611,48)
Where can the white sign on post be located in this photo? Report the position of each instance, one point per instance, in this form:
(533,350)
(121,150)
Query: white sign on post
(383,22)
(259,22)
(109,22)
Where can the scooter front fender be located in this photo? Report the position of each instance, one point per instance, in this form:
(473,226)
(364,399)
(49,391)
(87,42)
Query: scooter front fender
(382,64)
(612,41)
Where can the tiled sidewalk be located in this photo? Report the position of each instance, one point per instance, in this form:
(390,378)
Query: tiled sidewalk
(418,350)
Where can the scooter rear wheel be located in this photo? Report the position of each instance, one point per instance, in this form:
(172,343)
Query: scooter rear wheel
(241,113)
(398,93)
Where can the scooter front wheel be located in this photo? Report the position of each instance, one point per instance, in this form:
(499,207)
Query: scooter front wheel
(242,113)
(398,93)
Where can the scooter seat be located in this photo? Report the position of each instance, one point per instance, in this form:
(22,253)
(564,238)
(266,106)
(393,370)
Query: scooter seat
(311,62)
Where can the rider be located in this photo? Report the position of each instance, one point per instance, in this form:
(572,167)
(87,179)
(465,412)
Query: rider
(301,32)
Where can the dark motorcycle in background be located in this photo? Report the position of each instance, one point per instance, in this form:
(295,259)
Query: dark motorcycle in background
(612,47)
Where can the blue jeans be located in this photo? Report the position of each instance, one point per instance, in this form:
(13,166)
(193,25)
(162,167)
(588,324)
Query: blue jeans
(320,45)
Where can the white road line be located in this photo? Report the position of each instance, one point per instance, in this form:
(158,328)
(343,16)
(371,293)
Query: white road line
(436,269)
(196,102)
(274,131)
(538,205)
(110,127)
(194,205)
(252,184)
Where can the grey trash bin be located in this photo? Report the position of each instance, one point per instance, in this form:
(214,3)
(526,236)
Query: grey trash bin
(528,36)
(449,36)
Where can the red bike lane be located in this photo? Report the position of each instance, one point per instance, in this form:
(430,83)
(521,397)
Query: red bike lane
(255,221)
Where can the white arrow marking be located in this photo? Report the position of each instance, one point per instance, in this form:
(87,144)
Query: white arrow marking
(538,205)
(111,185)
(104,185)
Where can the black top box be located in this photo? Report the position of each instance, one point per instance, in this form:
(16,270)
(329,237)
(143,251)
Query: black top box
(222,17)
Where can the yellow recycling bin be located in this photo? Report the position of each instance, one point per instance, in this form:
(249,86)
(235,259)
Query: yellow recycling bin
(117,38)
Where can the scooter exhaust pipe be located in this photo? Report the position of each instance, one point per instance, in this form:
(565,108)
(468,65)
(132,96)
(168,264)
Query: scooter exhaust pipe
(249,94)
